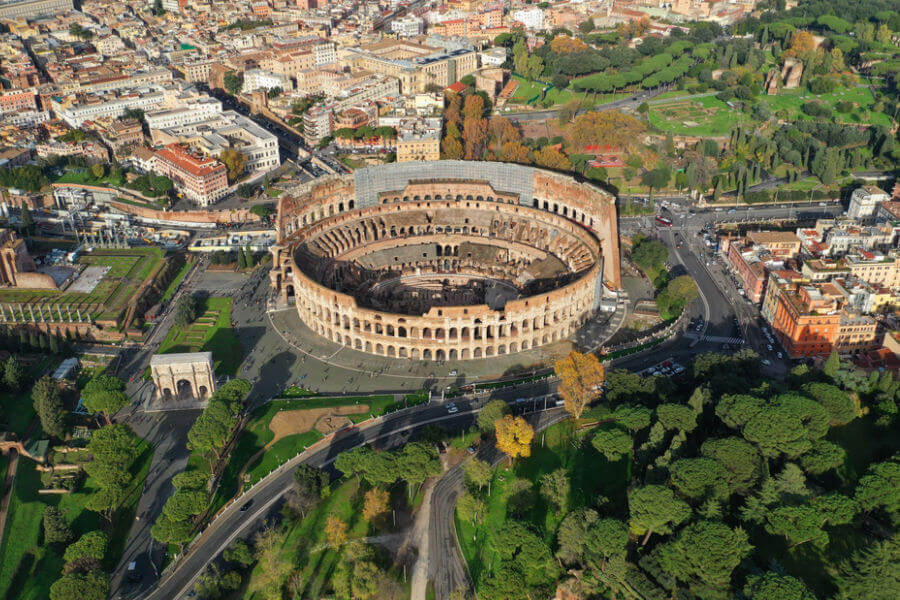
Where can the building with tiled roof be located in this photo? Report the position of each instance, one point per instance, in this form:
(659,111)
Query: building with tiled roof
(200,178)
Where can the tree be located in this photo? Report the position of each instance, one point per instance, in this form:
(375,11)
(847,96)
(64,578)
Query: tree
(555,488)
(183,505)
(48,406)
(27,219)
(870,572)
(272,566)
(677,416)
(633,418)
(655,509)
(514,543)
(514,436)
(837,402)
(470,508)
(703,555)
(13,373)
(572,535)
(310,485)
(581,381)
(700,478)
(451,148)
(233,82)
(612,442)
(473,107)
(880,487)
(80,586)
(552,158)
(104,394)
(822,457)
(239,553)
(741,460)
(91,546)
(789,425)
(516,152)
(168,531)
(375,504)
(416,462)
(56,527)
(832,365)
(776,586)
(336,530)
(185,311)
(234,161)
(490,414)
(477,473)
(657,178)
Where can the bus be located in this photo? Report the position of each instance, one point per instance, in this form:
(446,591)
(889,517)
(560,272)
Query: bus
(663,221)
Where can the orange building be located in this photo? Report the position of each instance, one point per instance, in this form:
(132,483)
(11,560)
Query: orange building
(200,178)
(806,320)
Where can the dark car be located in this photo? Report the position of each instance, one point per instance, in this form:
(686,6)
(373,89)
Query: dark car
(246,505)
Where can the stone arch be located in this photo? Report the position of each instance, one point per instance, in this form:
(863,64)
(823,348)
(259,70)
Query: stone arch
(464,354)
(440,355)
(414,354)
(426,354)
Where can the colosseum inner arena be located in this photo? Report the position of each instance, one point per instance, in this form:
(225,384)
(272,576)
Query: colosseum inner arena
(446,260)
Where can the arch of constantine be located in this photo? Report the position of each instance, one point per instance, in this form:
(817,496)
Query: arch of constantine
(183,377)
(447,260)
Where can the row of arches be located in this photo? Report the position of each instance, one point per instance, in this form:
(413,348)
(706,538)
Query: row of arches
(569,213)
(471,351)
(448,196)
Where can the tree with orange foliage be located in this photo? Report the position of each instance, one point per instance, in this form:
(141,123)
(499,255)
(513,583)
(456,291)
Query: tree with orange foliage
(336,530)
(503,130)
(516,152)
(581,379)
(375,503)
(474,136)
(564,44)
(453,112)
(474,107)
(514,436)
(608,127)
(802,42)
(552,158)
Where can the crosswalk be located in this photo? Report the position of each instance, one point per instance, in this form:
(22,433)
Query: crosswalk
(715,339)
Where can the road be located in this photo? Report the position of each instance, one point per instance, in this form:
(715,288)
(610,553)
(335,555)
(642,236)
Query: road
(630,102)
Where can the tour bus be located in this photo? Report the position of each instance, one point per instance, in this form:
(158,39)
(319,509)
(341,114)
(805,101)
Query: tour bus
(664,221)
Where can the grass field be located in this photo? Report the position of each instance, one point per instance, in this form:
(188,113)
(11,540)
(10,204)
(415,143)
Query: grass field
(27,569)
(210,332)
(793,100)
(591,475)
(115,291)
(704,116)
(528,90)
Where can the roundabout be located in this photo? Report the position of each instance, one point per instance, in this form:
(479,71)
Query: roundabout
(476,261)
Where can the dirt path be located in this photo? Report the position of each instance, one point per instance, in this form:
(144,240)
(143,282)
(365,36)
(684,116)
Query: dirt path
(419,581)
(324,420)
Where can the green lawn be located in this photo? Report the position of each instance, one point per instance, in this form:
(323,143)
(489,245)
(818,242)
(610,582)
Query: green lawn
(210,332)
(84,177)
(793,100)
(27,569)
(703,116)
(528,90)
(18,410)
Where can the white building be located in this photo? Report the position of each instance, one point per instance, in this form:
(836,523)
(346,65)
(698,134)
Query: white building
(193,111)
(74,114)
(493,57)
(257,79)
(408,26)
(865,200)
(531,18)
(25,119)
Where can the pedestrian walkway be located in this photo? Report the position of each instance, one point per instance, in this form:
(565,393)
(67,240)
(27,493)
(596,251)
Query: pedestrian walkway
(715,339)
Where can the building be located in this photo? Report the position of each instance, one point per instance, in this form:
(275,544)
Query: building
(194,110)
(875,267)
(493,57)
(408,26)
(17,269)
(200,178)
(317,124)
(417,66)
(865,200)
(29,9)
(530,18)
(782,244)
(806,321)
(228,129)
(75,111)
(258,79)
(419,139)
(121,135)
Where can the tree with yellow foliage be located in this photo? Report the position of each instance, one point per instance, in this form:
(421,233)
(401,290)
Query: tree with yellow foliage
(514,436)
(375,504)
(552,158)
(516,152)
(336,530)
(564,44)
(608,127)
(234,161)
(581,378)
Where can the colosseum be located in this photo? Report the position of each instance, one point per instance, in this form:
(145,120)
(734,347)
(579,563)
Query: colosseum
(446,260)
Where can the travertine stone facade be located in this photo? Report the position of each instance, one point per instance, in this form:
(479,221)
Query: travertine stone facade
(183,376)
(552,241)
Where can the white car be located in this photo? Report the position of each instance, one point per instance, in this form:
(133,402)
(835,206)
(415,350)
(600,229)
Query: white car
(779,355)
(769,347)
(452,408)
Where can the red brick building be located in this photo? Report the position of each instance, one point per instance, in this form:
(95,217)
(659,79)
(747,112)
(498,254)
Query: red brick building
(200,178)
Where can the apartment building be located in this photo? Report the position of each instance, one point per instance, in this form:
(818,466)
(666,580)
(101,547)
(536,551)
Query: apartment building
(875,267)
(200,178)
(865,200)
(806,321)
(317,123)
(194,110)
(419,139)
(76,110)
(782,244)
